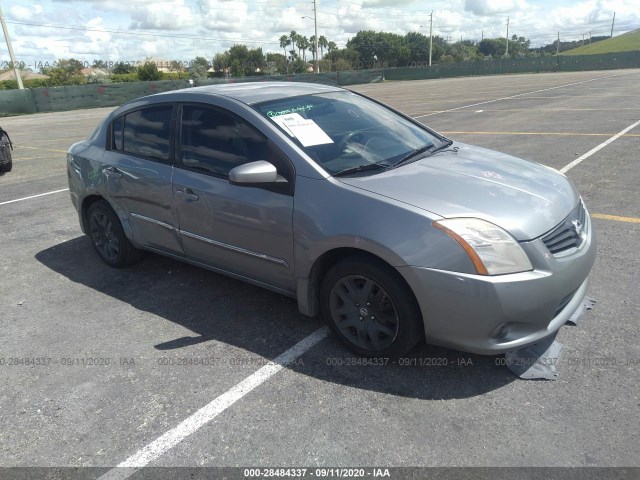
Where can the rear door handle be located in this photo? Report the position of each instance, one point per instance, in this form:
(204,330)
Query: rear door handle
(187,194)
(112,172)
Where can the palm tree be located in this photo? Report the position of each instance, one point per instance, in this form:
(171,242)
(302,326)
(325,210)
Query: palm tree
(312,47)
(298,41)
(303,44)
(284,43)
(293,36)
(331,47)
(322,43)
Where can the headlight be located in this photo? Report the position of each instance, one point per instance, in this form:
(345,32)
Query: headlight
(491,249)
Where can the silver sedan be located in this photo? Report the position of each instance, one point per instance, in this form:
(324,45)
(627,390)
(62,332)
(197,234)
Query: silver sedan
(388,230)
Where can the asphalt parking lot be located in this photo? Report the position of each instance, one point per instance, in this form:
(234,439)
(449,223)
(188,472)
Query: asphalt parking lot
(133,353)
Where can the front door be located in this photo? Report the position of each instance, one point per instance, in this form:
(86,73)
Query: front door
(243,230)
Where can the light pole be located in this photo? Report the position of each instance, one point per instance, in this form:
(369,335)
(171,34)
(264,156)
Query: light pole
(16,70)
(430,35)
(507,54)
(315,38)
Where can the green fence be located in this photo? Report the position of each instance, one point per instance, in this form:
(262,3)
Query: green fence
(562,63)
(56,99)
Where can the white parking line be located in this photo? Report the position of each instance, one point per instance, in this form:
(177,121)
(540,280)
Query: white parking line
(599,147)
(515,96)
(207,413)
(34,196)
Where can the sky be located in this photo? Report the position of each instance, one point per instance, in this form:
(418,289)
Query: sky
(43,31)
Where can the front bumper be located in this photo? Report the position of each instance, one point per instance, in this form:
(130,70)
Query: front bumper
(492,315)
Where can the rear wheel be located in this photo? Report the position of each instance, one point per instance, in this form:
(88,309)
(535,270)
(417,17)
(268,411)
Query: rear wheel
(108,237)
(7,166)
(370,308)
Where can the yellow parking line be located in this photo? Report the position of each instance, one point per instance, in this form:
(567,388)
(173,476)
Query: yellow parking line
(565,134)
(498,110)
(43,149)
(30,158)
(615,218)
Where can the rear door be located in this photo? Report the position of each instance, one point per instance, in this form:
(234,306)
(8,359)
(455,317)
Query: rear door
(243,230)
(137,173)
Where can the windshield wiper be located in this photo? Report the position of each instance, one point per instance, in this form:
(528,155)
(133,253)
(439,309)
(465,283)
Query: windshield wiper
(446,144)
(362,168)
(431,149)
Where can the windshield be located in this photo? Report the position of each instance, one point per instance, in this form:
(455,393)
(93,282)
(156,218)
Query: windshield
(343,131)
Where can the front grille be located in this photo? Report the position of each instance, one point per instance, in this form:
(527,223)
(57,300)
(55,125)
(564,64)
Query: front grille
(569,234)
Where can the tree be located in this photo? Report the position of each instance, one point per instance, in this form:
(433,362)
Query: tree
(221,63)
(298,42)
(463,52)
(493,47)
(418,47)
(277,63)
(518,46)
(293,36)
(331,47)
(236,68)
(322,44)
(376,48)
(123,68)
(284,43)
(299,66)
(199,68)
(303,44)
(64,71)
(312,47)
(346,59)
(176,66)
(149,72)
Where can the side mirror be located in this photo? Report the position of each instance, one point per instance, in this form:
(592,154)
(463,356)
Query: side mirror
(254,174)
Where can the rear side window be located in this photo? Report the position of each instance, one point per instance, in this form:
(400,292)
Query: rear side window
(145,132)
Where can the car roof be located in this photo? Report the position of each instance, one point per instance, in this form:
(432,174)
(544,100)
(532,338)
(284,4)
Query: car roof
(256,92)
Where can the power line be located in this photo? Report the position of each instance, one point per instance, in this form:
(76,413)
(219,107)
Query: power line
(146,34)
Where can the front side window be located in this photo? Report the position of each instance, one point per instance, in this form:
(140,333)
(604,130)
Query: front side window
(145,132)
(342,130)
(215,141)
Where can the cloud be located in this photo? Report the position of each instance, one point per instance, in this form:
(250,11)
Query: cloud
(205,27)
(485,8)
(385,3)
(162,15)
(18,12)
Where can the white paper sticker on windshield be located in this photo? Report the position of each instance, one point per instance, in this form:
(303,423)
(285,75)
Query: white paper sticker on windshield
(305,130)
(280,120)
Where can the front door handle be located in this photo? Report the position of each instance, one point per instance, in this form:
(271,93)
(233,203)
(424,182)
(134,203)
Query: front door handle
(187,194)
(112,172)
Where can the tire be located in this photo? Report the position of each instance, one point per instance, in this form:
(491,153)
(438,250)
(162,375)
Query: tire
(370,308)
(7,166)
(108,237)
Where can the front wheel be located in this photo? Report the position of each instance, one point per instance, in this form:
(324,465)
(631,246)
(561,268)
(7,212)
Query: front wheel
(108,237)
(370,308)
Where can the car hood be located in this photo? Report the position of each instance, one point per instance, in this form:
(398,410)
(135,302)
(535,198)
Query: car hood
(525,198)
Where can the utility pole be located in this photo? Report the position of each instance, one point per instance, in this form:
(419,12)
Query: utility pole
(430,36)
(589,38)
(482,35)
(315,23)
(507,54)
(613,23)
(16,70)
(582,40)
(558,48)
